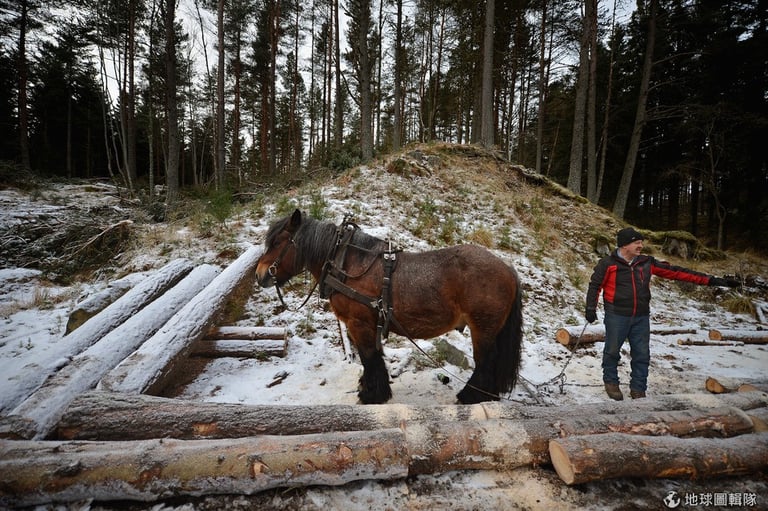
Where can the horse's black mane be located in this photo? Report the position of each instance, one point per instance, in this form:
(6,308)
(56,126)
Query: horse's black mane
(316,239)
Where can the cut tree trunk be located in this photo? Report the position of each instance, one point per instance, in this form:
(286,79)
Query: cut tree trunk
(149,368)
(37,472)
(214,348)
(97,302)
(753,387)
(108,416)
(581,459)
(96,328)
(246,332)
(570,335)
(38,414)
(745,336)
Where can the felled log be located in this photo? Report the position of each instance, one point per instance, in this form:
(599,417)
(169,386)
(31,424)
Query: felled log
(753,387)
(246,332)
(745,336)
(148,369)
(214,348)
(570,335)
(581,459)
(39,413)
(759,417)
(703,342)
(98,301)
(36,472)
(94,329)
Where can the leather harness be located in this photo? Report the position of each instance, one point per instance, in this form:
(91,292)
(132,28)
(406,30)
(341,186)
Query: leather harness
(333,278)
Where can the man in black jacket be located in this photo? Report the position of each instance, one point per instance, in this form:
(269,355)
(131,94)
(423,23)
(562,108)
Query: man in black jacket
(624,277)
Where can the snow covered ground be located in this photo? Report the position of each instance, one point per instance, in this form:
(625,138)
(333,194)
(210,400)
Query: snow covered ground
(546,237)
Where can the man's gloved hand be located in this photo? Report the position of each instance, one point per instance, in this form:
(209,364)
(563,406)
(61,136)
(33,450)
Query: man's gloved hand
(724,282)
(591,315)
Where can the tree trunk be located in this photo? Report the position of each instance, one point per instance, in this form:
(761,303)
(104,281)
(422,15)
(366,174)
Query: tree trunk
(107,416)
(487,122)
(37,416)
(96,328)
(366,137)
(745,336)
(243,332)
(41,472)
(239,348)
(397,100)
(338,118)
(591,10)
(543,66)
(583,459)
(97,302)
(22,92)
(570,335)
(150,367)
(576,164)
(174,144)
(221,150)
(641,114)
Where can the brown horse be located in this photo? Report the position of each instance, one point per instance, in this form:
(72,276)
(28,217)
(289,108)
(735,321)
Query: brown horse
(430,293)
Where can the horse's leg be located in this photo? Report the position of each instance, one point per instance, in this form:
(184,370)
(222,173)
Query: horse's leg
(482,384)
(374,383)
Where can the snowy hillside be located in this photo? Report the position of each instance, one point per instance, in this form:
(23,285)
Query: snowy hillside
(426,197)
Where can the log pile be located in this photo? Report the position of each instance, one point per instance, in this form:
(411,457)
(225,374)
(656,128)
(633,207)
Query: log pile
(139,447)
(571,336)
(71,440)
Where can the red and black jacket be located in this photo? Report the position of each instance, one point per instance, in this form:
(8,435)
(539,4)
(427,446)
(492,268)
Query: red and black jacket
(626,286)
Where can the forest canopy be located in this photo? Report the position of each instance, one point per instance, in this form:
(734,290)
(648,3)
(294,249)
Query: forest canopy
(656,110)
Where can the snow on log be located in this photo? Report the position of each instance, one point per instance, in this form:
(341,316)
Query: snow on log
(745,336)
(246,332)
(570,335)
(97,302)
(39,472)
(260,349)
(94,329)
(148,368)
(38,414)
(111,416)
(581,459)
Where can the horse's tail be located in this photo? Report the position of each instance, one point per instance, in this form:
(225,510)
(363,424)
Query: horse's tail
(509,344)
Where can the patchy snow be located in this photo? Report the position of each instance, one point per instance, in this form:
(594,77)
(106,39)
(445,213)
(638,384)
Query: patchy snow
(553,258)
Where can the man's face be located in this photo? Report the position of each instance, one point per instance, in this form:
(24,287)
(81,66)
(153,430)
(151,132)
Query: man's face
(633,249)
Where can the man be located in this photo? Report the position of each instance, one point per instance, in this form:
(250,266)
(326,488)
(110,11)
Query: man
(624,277)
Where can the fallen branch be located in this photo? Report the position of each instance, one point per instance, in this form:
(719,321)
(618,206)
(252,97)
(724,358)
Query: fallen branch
(704,342)
(581,459)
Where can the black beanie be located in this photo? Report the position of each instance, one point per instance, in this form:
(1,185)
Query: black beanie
(627,236)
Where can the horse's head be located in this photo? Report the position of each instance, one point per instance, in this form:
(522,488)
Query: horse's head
(279,262)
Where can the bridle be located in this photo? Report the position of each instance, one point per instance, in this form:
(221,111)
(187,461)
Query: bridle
(272,270)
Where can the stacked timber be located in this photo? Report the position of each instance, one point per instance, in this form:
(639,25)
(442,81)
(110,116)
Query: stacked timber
(133,446)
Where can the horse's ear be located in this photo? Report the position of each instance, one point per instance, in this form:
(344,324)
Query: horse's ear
(295,221)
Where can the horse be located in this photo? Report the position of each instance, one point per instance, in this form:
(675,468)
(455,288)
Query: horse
(424,295)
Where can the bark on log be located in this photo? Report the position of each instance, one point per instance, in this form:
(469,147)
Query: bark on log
(246,332)
(569,336)
(35,472)
(582,459)
(109,416)
(745,336)
(97,302)
(704,342)
(37,416)
(213,348)
(96,328)
(148,369)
